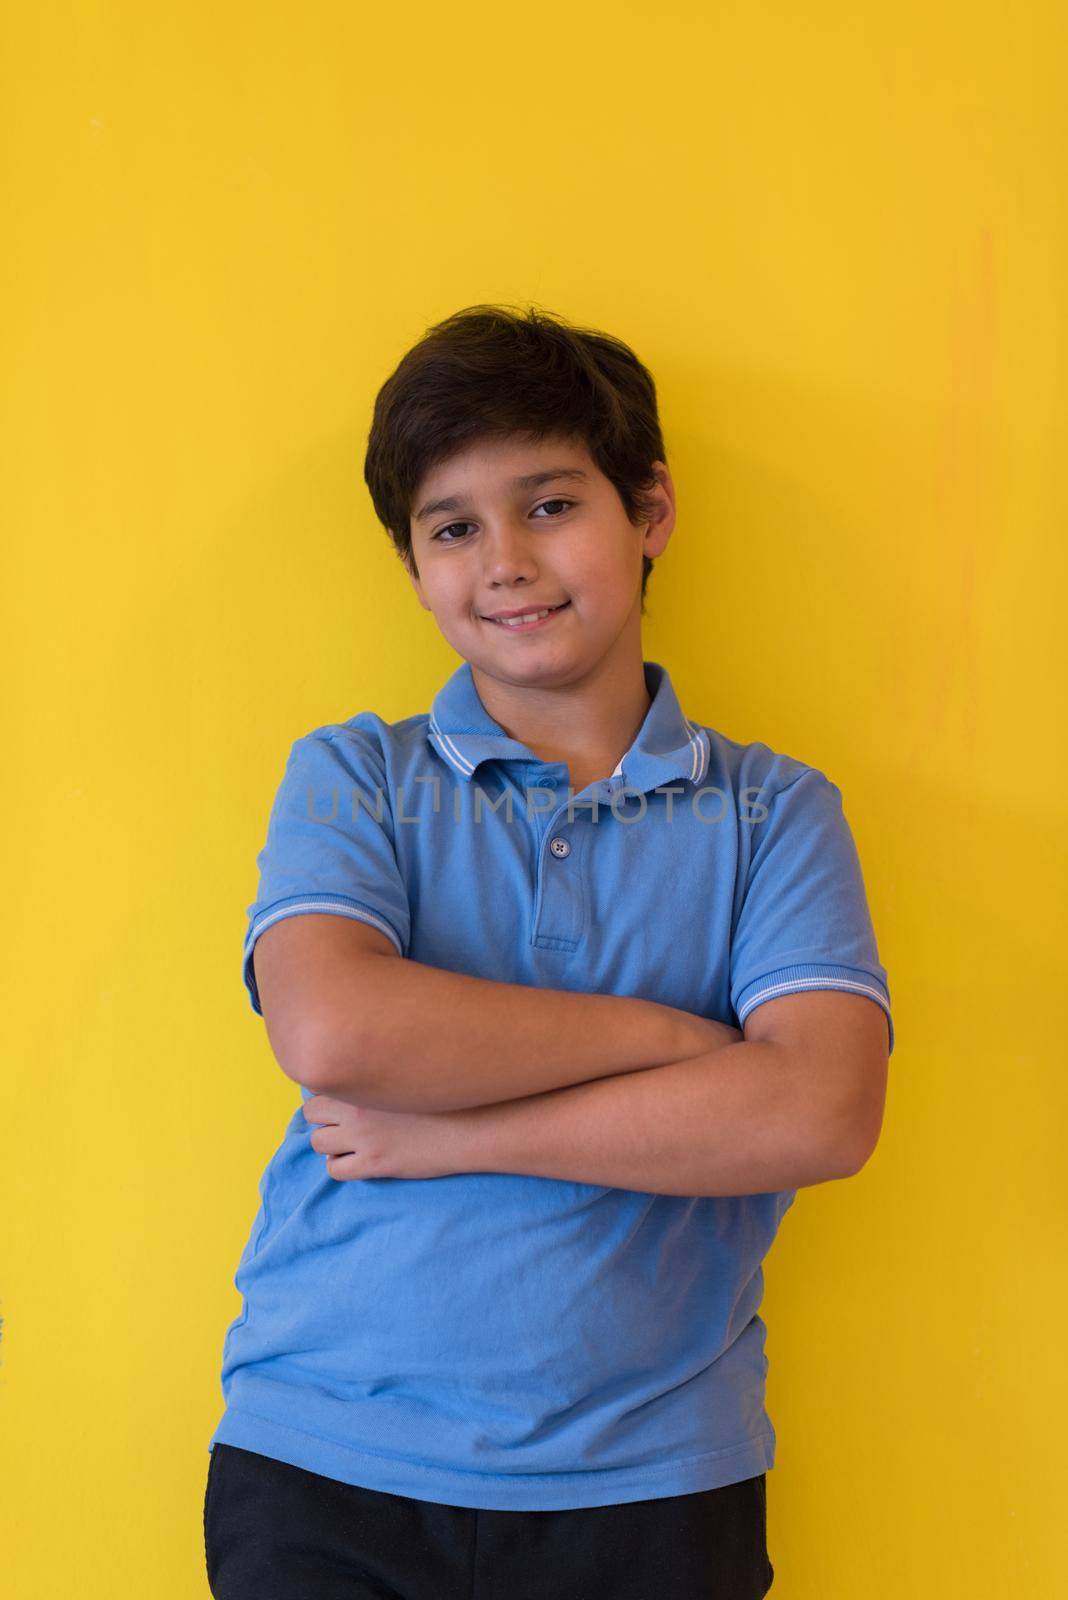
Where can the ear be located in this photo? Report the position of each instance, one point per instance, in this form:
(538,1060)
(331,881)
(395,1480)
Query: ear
(658,530)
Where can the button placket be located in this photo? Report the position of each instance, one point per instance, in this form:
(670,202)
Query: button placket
(560,902)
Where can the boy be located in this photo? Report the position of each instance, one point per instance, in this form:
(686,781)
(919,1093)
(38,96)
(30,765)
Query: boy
(500,1333)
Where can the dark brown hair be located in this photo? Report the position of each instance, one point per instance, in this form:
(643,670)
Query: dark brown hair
(497,372)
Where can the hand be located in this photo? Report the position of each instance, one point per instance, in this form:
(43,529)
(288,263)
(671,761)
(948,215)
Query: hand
(361,1142)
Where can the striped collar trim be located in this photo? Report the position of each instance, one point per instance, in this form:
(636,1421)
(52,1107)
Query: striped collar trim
(669,746)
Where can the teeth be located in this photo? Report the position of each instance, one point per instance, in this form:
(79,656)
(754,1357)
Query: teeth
(528,616)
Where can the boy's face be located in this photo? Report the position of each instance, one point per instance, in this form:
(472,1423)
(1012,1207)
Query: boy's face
(503,546)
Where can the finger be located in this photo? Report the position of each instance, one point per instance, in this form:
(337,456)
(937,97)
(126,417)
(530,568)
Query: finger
(320,1108)
(320,1117)
(345,1167)
(326,1107)
(331,1141)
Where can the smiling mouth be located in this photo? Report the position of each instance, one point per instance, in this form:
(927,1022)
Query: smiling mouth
(518,624)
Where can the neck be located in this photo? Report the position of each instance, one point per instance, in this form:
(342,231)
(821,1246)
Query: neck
(588,722)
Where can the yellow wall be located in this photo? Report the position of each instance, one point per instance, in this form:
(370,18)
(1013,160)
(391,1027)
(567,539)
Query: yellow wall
(837,234)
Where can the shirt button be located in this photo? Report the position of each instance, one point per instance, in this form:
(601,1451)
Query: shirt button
(559,847)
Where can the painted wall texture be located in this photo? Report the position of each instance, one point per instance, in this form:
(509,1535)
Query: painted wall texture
(838,236)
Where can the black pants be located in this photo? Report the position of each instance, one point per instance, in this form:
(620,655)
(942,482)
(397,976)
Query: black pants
(277,1532)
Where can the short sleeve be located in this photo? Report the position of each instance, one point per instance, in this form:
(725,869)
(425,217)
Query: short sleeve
(804,921)
(330,843)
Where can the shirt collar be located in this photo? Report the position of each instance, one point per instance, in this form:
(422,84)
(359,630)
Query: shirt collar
(668,745)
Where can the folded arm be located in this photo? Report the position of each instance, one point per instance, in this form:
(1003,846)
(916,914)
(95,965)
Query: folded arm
(798,1101)
(348,1017)
(599,1089)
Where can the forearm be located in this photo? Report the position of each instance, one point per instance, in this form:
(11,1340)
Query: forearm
(412,1037)
(740,1120)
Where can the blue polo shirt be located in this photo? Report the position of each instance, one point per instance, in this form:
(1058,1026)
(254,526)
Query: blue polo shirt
(500,1340)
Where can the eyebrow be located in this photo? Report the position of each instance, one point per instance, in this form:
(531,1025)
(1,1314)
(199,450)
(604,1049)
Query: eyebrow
(530,480)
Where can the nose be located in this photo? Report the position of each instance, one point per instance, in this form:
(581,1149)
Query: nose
(507,554)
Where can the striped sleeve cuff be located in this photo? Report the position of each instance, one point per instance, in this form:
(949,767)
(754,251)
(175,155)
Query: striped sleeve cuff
(335,904)
(814,975)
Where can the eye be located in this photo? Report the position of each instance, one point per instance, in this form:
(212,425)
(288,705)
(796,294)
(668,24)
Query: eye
(567,504)
(440,534)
